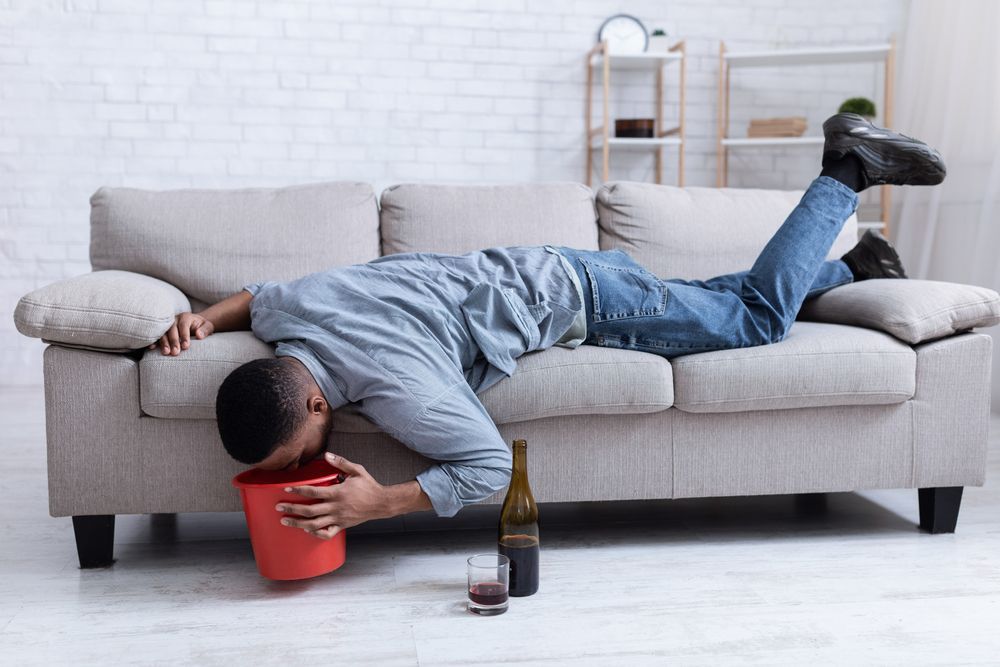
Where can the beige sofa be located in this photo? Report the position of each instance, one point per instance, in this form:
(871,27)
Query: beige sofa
(887,387)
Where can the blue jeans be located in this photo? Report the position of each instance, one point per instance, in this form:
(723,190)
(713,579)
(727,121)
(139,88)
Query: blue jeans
(630,308)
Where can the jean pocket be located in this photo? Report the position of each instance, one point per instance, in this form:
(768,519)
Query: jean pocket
(621,292)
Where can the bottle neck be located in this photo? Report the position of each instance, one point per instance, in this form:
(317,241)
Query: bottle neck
(520,467)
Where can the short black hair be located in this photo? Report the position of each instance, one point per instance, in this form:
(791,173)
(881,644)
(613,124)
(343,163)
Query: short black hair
(259,406)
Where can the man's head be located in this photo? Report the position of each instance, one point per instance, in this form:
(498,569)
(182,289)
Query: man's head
(272,414)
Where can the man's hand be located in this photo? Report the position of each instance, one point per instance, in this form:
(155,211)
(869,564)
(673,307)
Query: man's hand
(178,336)
(357,499)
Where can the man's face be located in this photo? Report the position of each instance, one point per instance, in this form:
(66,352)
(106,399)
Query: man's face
(306,445)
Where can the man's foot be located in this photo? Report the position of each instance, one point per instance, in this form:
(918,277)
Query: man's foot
(873,257)
(886,157)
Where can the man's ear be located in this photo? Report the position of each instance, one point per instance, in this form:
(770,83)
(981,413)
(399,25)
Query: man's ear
(317,404)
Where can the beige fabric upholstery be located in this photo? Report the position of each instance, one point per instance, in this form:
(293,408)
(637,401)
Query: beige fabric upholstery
(805,450)
(103,309)
(557,381)
(210,243)
(185,386)
(951,411)
(127,463)
(815,365)
(457,219)
(585,380)
(697,233)
(911,310)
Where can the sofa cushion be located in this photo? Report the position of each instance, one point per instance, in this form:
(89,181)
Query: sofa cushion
(210,243)
(911,310)
(457,219)
(697,233)
(815,365)
(556,381)
(185,386)
(104,310)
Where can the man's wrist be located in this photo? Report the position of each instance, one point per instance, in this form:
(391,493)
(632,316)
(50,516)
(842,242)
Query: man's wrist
(405,498)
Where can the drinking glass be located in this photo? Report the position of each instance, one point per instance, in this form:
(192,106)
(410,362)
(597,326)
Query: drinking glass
(488,580)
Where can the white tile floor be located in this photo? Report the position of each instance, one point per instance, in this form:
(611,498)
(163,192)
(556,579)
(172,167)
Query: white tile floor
(705,582)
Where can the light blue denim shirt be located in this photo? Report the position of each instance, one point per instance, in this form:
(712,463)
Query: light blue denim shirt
(412,337)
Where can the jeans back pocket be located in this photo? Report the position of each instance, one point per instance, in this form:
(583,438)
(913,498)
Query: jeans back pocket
(621,292)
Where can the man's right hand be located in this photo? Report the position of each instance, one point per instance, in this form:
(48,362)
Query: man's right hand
(178,336)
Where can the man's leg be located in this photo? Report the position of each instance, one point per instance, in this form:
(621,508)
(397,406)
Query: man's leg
(758,306)
(630,308)
(832,273)
(783,274)
(749,308)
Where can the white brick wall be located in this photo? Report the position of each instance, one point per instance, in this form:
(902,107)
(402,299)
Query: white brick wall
(228,93)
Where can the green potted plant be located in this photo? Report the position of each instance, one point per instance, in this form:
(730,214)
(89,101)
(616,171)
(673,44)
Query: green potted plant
(658,41)
(859,105)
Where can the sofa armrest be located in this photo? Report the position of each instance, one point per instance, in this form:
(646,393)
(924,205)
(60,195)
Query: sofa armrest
(911,310)
(107,310)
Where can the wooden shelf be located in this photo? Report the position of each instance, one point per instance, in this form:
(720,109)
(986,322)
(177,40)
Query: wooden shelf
(884,54)
(751,142)
(637,143)
(598,138)
(818,56)
(637,60)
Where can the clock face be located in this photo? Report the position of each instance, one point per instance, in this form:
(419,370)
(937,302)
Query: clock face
(625,34)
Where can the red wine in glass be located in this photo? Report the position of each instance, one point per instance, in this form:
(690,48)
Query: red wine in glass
(488,593)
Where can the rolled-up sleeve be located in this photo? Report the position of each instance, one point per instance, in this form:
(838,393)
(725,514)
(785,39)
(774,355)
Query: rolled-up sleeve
(473,460)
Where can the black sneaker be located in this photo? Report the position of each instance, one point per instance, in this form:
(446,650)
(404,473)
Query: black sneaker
(873,257)
(887,157)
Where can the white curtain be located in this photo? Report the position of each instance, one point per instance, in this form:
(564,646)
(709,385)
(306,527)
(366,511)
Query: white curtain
(948,84)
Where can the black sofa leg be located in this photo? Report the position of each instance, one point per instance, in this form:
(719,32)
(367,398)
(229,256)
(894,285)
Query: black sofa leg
(939,508)
(810,504)
(95,539)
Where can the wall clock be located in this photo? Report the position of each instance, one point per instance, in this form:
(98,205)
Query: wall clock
(624,33)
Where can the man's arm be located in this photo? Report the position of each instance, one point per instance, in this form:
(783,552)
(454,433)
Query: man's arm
(357,499)
(230,314)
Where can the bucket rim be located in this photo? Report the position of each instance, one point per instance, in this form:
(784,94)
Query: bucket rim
(240,481)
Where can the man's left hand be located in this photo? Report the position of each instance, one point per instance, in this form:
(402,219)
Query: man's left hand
(357,499)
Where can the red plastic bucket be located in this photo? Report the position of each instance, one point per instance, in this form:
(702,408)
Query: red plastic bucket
(284,552)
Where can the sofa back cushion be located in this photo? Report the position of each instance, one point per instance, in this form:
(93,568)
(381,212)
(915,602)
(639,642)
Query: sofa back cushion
(457,219)
(210,243)
(696,233)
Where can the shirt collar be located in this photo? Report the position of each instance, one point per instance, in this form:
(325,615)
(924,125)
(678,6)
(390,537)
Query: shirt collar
(300,351)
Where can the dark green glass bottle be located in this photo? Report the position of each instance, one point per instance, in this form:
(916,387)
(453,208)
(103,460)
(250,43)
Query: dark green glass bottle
(518,531)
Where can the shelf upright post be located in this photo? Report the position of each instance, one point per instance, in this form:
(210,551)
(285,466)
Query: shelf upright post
(658,124)
(606,148)
(723,116)
(890,74)
(680,46)
(588,136)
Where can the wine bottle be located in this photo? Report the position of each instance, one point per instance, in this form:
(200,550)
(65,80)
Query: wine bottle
(518,531)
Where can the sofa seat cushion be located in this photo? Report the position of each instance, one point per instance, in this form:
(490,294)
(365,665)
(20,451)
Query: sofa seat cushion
(815,365)
(557,381)
(185,386)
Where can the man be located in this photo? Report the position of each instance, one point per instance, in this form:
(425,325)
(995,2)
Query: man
(411,338)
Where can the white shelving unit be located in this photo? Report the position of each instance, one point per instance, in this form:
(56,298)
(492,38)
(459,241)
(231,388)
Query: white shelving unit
(600,138)
(729,60)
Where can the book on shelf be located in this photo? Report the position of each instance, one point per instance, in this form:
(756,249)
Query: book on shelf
(793,126)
